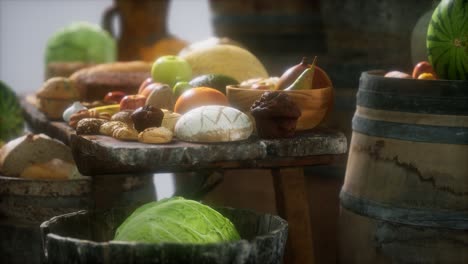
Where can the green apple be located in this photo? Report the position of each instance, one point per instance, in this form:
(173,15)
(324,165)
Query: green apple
(171,69)
(180,88)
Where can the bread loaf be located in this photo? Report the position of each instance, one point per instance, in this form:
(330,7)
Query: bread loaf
(56,169)
(22,152)
(95,82)
(213,123)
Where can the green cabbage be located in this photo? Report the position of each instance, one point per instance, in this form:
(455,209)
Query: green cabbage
(176,220)
(81,42)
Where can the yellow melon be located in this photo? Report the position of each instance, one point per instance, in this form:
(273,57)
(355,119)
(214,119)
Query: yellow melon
(229,60)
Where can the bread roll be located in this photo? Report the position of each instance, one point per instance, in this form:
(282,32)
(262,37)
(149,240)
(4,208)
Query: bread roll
(124,116)
(213,123)
(125,133)
(169,119)
(20,153)
(89,126)
(155,135)
(109,127)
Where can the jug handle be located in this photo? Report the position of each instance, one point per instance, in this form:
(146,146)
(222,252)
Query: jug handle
(107,19)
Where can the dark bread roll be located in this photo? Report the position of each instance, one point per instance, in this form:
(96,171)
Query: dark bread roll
(93,83)
(89,126)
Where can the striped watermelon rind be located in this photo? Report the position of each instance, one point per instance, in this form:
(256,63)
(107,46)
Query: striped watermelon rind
(11,114)
(447,40)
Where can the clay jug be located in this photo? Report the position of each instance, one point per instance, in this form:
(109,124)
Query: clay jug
(140,24)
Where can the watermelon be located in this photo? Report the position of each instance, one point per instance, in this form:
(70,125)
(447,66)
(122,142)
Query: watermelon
(447,40)
(11,115)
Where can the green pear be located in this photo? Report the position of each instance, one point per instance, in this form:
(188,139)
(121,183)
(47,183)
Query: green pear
(304,81)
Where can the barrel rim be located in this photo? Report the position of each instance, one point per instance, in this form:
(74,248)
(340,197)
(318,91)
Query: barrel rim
(411,86)
(440,97)
(379,74)
(25,180)
(283,228)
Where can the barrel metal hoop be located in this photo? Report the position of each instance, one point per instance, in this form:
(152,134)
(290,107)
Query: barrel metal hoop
(409,216)
(412,104)
(411,132)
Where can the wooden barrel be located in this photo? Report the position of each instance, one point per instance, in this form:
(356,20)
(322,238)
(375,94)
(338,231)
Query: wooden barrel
(84,237)
(25,204)
(405,195)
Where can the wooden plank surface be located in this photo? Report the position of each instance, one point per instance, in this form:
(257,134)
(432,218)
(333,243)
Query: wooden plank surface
(97,154)
(105,155)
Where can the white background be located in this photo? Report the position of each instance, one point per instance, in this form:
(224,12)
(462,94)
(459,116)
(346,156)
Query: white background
(25,26)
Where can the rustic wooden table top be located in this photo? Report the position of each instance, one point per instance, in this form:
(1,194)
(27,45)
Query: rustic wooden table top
(97,154)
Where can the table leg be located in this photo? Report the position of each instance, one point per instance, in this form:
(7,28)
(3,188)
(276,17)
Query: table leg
(292,204)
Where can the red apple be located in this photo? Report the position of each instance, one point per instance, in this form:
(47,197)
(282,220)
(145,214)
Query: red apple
(423,67)
(114,97)
(132,102)
(145,83)
(150,88)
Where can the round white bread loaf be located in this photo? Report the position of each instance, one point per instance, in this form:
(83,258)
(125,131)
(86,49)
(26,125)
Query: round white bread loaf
(213,123)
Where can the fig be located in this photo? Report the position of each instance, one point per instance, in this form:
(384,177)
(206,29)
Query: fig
(291,74)
(147,116)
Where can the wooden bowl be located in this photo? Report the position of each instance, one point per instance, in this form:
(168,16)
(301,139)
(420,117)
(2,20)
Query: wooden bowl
(314,103)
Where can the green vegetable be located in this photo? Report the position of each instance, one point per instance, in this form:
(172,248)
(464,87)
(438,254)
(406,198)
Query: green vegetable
(216,81)
(81,42)
(176,220)
(447,40)
(11,114)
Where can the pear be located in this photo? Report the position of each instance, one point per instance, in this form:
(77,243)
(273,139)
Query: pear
(304,81)
(290,75)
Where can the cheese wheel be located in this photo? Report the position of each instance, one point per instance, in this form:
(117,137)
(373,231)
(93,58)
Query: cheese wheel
(213,123)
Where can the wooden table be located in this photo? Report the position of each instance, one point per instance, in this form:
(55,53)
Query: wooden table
(284,158)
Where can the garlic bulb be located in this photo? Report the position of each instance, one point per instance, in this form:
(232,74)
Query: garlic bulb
(75,107)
